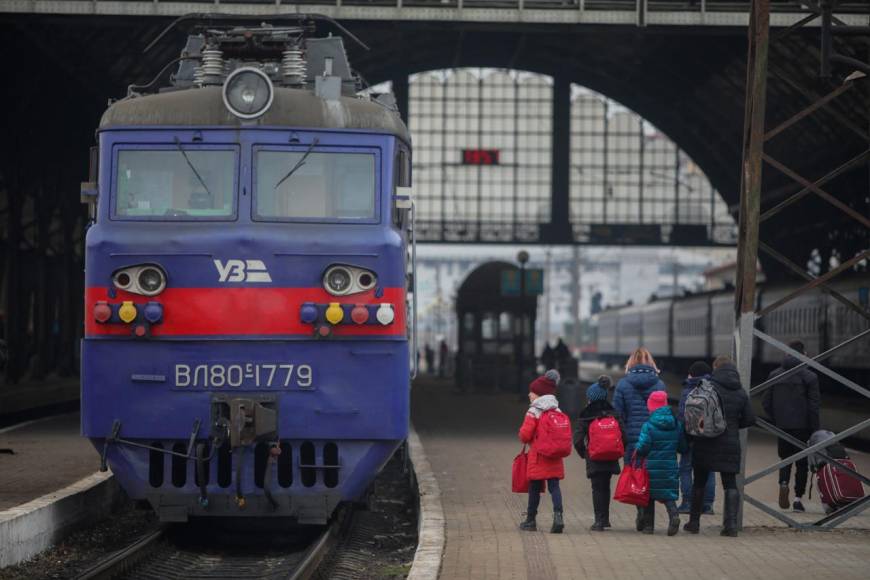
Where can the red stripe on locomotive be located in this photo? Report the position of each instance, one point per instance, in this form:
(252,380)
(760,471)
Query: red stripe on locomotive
(242,311)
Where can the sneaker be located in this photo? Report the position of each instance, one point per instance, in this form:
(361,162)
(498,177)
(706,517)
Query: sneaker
(783,496)
(684,508)
(708,511)
(798,506)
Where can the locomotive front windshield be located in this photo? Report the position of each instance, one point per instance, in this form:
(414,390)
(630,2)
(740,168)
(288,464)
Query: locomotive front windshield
(313,185)
(175,184)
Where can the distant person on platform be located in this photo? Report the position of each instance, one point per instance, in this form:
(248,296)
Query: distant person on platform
(430,359)
(699,370)
(443,354)
(792,403)
(548,356)
(563,354)
(632,391)
(721,453)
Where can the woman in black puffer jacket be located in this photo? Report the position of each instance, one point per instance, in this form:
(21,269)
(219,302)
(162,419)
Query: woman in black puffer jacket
(721,453)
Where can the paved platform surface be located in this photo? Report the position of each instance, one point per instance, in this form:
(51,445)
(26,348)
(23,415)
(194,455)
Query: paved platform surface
(49,454)
(470,441)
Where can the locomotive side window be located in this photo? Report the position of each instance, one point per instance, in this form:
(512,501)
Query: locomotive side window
(308,185)
(175,184)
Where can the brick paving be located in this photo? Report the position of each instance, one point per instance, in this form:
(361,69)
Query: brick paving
(50,454)
(470,441)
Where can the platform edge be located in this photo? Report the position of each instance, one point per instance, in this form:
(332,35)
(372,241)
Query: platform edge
(28,529)
(431,526)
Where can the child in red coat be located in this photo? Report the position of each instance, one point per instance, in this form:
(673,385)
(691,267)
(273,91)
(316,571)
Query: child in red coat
(541,468)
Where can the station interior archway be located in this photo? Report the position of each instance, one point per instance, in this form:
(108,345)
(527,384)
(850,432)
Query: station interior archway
(689,83)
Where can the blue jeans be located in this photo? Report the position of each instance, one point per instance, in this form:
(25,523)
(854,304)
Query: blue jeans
(686,482)
(535,487)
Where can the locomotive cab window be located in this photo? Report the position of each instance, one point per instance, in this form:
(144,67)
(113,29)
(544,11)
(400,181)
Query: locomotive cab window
(175,184)
(308,185)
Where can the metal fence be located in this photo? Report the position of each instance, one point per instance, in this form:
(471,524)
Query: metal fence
(751,218)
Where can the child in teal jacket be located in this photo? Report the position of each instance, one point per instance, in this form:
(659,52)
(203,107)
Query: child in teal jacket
(661,437)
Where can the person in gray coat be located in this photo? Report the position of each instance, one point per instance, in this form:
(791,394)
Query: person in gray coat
(793,405)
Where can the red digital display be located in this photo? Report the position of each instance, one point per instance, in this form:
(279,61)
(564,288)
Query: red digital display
(480,156)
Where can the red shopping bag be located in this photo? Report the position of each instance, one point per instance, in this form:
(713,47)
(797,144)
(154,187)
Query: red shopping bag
(520,475)
(633,485)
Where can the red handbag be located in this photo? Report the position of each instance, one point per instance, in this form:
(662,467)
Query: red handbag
(520,474)
(633,485)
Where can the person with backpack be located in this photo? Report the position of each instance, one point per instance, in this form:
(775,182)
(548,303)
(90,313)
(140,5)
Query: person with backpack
(629,399)
(548,432)
(661,437)
(599,440)
(697,372)
(792,404)
(718,450)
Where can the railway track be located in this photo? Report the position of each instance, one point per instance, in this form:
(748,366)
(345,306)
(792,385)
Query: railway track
(167,553)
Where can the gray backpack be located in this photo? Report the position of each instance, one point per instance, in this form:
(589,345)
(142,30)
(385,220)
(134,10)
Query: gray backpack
(703,414)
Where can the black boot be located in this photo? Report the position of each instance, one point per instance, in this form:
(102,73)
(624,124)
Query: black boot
(694,524)
(729,517)
(529,525)
(598,526)
(558,523)
(605,511)
(638,521)
(649,518)
(673,518)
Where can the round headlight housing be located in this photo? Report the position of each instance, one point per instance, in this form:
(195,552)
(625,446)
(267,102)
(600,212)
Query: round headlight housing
(151,281)
(248,92)
(337,280)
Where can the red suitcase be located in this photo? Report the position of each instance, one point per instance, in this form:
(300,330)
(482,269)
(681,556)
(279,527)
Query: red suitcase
(838,488)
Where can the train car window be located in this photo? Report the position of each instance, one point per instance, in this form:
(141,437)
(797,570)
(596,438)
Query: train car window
(168,184)
(331,185)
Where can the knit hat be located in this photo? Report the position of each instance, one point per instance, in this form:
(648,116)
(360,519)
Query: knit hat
(699,369)
(546,384)
(595,393)
(657,400)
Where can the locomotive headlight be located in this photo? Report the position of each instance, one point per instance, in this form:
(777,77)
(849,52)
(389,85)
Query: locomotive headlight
(248,92)
(151,281)
(337,280)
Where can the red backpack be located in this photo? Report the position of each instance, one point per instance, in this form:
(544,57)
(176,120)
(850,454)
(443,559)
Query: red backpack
(553,439)
(838,488)
(605,440)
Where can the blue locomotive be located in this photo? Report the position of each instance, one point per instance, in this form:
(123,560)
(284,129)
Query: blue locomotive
(246,348)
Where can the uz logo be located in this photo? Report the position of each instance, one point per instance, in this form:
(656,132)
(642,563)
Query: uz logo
(242,271)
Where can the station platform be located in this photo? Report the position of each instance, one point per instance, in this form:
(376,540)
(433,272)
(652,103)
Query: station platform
(470,440)
(31,395)
(47,455)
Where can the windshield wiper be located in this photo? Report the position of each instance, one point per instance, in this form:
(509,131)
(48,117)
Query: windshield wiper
(192,168)
(299,163)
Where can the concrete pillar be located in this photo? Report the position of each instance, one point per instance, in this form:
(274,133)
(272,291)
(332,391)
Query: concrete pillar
(560,221)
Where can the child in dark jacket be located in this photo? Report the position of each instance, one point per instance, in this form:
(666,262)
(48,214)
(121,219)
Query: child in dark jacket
(542,469)
(661,437)
(598,472)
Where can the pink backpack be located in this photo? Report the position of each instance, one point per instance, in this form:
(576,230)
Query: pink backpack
(553,439)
